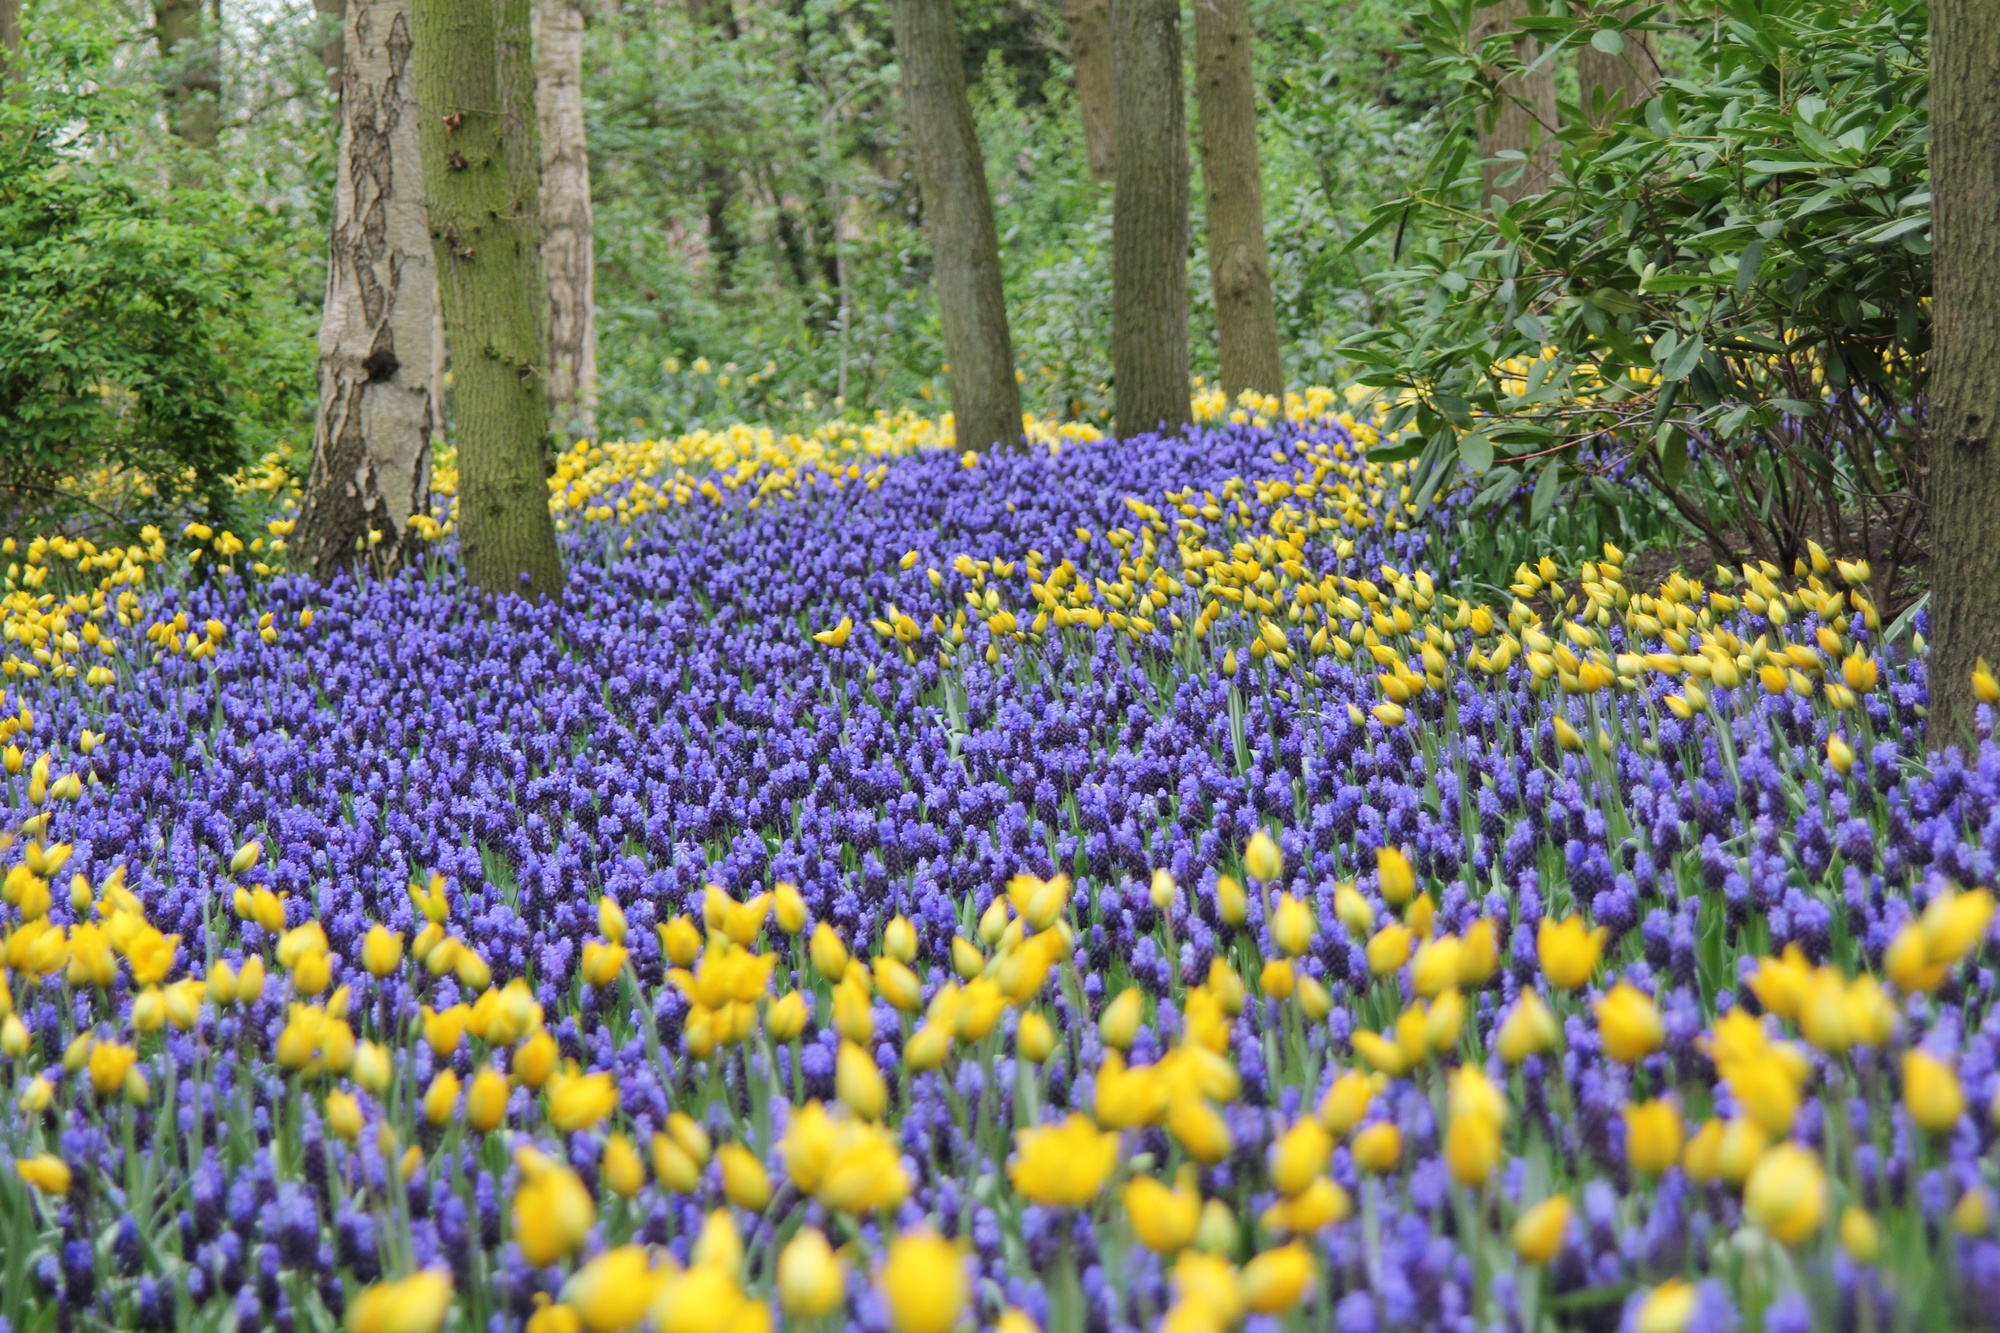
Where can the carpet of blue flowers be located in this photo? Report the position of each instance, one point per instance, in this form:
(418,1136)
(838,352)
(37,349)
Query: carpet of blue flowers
(1110,886)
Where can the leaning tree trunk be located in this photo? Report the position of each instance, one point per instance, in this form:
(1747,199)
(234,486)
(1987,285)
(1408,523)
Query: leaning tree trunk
(958,212)
(567,254)
(1088,23)
(1523,117)
(475,83)
(1610,85)
(1239,266)
(371,466)
(1964,480)
(1149,229)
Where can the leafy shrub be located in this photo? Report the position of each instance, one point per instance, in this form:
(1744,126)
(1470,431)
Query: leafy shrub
(132,340)
(1721,295)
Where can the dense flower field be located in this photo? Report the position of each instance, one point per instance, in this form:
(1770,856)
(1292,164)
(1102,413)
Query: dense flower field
(1102,887)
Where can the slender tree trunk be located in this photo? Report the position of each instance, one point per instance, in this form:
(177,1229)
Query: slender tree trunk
(371,468)
(1239,266)
(1964,481)
(717,19)
(189,37)
(1149,229)
(10,42)
(333,33)
(567,254)
(958,212)
(476,88)
(1523,119)
(1610,85)
(1089,27)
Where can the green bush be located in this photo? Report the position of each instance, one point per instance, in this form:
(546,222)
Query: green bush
(133,343)
(1722,294)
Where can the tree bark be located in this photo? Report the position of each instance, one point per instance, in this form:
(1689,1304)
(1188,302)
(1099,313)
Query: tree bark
(476,87)
(188,35)
(1964,480)
(1239,265)
(333,36)
(568,256)
(958,214)
(10,43)
(1088,23)
(1523,117)
(1149,228)
(717,18)
(371,466)
(1608,85)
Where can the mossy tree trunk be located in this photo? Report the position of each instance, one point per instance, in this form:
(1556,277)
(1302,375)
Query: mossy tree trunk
(1246,317)
(1087,23)
(1610,84)
(1522,118)
(371,465)
(1149,229)
(1964,481)
(476,87)
(10,42)
(958,215)
(568,255)
(189,35)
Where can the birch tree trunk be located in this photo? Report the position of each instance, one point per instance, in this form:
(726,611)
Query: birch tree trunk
(371,466)
(1964,481)
(1149,227)
(476,88)
(1524,118)
(1239,265)
(1088,23)
(958,214)
(567,254)
(188,36)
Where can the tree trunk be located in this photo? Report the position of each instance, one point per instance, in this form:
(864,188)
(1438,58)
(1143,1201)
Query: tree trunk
(1608,85)
(333,35)
(10,42)
(567,254)
(1964,480)
(476,87)
(192,59)
(1089,26)
(1523,118)
(958,213)
(1239,266)
(1149,228)
(371,466)
(717,19)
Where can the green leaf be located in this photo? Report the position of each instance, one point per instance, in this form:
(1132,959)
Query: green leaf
(1900,227)
(1546,487)
(1608,40)
(1681,359)
(1476,451)
(1673,455)
(1614,302)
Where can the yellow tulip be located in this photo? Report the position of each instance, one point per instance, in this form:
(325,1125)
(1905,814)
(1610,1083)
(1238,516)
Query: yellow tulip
(1034,1038)
(1529,1029)
(1931,1092)
(1568,951)
(1859,1234)
(744,1180)
(1378,1148)
(858,1083)
(1231,903)
(1063,1166)
(1118,1025)
(829,954)
(923,1281)
(552,1210)
(1472,1149)
(1397,880)
(382,950)
(1263,859)
(612,1291)
(441,1098)
(1299,1156)
(1652,1135)
(1668,1308)
(1273,1282)
(45,1171)
(622,1169)
(582,1101)
(1628,1024)
(1389,949)
(1786,1193)
(788,905)
(1163,1219)
(1538,1233)
(812,1280)
(1347,1101)
(416,1304)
